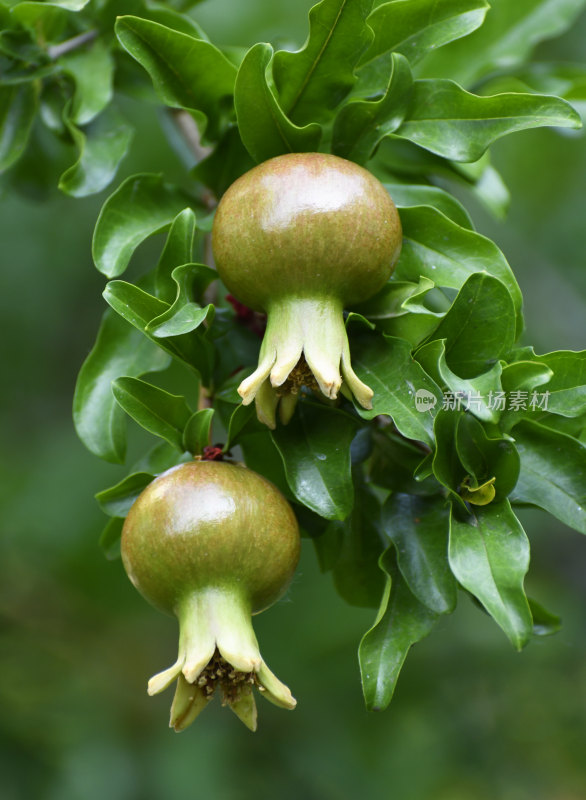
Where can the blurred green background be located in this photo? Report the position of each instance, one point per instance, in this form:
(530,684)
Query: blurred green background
(470,719)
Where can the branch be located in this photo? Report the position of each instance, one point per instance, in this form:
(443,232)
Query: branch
(57,50)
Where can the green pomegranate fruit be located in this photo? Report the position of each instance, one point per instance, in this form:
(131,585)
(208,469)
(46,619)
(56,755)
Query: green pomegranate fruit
(300,237)
(213,543)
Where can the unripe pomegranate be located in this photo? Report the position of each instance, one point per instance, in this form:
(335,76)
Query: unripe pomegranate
(213,543)
(299,237)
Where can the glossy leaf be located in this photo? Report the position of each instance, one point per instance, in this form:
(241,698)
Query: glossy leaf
(489,555)
(357,577)
(117,500)
(92,70)
(446,463)
(262,455)
(567,386)
(178,250)
(445,119)
(242,421)
(481,395)
(314,80)
(508,35)
(395,462)
(154,409)
(395,299)
(361,124)
(405,195)
(140,308)
(187,72)
(385,364)
(485,458)
(161,457)
(419,527)
(70,5)
(417,26)
(479,327)
(141,206)
(110,538)
(102,146)
(524,376)
(197,431)
(448,254)
(119,350)
(18,107)
(185,315)
(315,448)
(401,622)
(544,622)
(264,129)
(553,473)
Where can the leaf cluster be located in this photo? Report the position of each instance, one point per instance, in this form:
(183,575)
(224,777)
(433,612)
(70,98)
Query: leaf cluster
(413,502)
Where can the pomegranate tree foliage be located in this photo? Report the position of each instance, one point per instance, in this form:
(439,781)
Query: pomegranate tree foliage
(410,501)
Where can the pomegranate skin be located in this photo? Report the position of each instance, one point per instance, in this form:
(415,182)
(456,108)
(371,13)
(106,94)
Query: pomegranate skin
(210,524)
(305,225)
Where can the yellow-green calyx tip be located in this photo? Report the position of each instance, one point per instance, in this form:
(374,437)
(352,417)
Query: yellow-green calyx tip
(218,651)
(305,344)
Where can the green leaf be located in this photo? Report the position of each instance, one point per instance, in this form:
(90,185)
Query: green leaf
(567,386)
(486,458)
(553,473)
(398,310)
(187,72)
(489,555)
(265,130)
(385,364)
(419,527)
(401,622)
(361,124)
(524,376)
(357,577)
(314,80)
(445,119)
(102,146)
(396,299)
(178,250)
(117,500)
(185,315)
(70,5)
(157,411)
(110,538)
(405,195)
(262,455)
(141,206)
(315,448)
(448,254)
(544,622)
(413,28)
(481,395)
(394,463)
(242,421)
(140,308)
(196,435)
(509,33)
(161,457)
(18,107)
(119,350)
(479,327)
(446,464)
(93,73)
